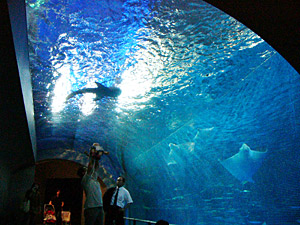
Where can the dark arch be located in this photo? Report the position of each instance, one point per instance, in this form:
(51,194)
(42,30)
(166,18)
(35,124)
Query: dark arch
(62,171)
(57,168)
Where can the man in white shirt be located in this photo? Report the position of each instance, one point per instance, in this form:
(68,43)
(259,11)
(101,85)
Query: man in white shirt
(119,202)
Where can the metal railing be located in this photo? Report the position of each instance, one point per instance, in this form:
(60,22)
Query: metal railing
(134,220)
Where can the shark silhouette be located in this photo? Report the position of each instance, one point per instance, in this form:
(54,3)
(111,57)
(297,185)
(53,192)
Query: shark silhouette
(101,91)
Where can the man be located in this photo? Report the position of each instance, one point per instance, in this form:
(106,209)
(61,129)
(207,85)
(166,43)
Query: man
(58,204)
(93,207)
(119,200)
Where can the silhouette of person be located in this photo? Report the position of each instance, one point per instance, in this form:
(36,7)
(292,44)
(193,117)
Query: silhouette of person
(161,222)
(58,205)
(34,196)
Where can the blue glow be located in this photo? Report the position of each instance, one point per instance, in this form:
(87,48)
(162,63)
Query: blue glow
(196,85)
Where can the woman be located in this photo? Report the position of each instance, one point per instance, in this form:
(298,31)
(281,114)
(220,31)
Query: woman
(34,196)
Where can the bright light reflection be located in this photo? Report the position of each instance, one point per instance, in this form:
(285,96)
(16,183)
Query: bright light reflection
(138,80)
(61,90)
(88,104)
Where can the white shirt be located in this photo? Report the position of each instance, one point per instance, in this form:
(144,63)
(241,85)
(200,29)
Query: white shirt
(124,197)
(92,190)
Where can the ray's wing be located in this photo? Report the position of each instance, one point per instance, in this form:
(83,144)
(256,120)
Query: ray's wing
(243,166)
(172,157)
(238,166)
(257,156)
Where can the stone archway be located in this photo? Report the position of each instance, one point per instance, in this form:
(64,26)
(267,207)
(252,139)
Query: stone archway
(63,171)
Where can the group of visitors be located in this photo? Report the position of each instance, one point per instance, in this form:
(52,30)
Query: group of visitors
(31,205)
(109,209)
(115,200)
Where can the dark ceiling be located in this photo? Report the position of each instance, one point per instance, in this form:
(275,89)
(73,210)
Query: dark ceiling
(277,22)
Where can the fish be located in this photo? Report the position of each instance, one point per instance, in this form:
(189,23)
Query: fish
(244,164)
(178,152)
(181,152)
(101,91)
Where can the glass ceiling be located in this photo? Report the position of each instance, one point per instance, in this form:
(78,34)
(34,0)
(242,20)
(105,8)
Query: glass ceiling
(190,77)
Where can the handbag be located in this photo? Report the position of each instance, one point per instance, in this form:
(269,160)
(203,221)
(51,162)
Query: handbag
(26,206)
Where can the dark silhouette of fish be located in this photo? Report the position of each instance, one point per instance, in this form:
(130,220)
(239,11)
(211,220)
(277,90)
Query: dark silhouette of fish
(101,91)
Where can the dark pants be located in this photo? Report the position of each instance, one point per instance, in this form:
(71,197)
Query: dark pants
(114,213)
(29,218)
(58,217)
(93,216)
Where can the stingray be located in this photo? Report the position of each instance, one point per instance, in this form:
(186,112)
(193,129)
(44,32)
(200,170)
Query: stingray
(177,152)
(182,152)
(244,164)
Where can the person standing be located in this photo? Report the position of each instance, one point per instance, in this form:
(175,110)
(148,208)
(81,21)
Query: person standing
(58,204)
(117,199)
(34,197)
(93,206)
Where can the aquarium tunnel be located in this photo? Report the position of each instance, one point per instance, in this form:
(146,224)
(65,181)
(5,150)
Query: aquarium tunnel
(206,126)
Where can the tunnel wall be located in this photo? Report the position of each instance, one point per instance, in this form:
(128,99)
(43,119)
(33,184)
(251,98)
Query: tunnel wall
(13,186)
(16,149)
(4,174)
(18,20)
(189,184)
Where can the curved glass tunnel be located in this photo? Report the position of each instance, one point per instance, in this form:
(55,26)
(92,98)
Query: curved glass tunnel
(196,85)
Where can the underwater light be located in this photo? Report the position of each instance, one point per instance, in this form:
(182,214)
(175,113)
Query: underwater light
(138,80)
(61,89)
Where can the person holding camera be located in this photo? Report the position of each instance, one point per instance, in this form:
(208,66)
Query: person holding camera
(93,206)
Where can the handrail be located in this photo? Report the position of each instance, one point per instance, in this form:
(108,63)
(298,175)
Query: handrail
(149,222)
(139,220)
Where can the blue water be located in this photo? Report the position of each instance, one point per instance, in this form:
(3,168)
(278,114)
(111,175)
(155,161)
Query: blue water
(183,67)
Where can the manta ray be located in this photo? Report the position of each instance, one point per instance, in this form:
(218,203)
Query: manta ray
(244,164)
(177,152)
(180,152)
(101,91)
